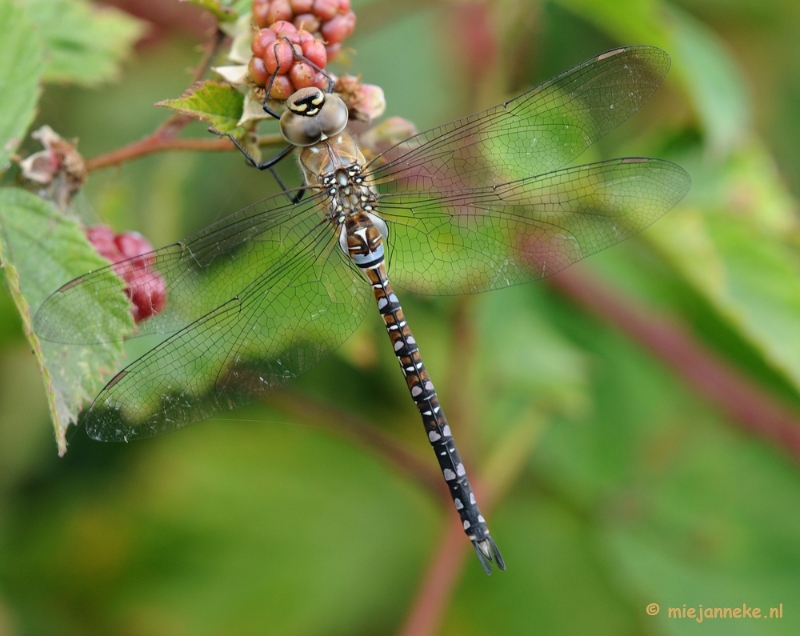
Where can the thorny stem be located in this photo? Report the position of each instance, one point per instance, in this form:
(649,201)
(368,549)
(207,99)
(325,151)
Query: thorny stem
(753,408)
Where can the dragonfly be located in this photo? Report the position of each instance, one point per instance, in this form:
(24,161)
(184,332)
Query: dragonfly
(483,202)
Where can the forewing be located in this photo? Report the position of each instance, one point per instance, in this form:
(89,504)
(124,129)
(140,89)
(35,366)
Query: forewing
(284,323)
(488,238)
(537,132)
(201,273)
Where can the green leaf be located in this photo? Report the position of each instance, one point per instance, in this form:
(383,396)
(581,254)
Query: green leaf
(220,10)
(741,254)
(41,249)
(681,507)
(556,582)
(219,104)
(536,370)
(20,72)
(713,529)
(628,21)
(84,43)
(179,528)
(714,81)
(715,84)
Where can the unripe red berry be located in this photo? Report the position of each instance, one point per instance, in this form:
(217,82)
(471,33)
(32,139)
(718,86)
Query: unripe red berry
(282,88)
(325,9)
(303,37)
(260,10)
(279,10)
(261,41)
(133,244)
(258,72)
(321,81)
(339,27)
(148,293)
(307,21)
(302,75)
(332,50)
(283,26)
(279,57)
(315,52)
(102,239)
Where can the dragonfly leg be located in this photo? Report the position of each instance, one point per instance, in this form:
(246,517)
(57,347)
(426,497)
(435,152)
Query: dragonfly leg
(294,198)
(264,165)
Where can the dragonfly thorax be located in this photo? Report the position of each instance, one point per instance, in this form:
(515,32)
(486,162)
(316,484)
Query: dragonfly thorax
(347,193)
(324,158)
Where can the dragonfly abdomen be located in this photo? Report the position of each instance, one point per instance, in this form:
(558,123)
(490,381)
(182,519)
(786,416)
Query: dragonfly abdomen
(365,246)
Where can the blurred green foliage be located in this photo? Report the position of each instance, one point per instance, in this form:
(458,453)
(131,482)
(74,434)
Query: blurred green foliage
(637,489)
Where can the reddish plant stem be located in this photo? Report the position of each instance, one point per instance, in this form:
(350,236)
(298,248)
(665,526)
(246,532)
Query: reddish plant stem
(754,409)
(211,48)
(509,459)
(330,417)
(444,572)
(152,144)
(439,584)
(164,137)
(163,140)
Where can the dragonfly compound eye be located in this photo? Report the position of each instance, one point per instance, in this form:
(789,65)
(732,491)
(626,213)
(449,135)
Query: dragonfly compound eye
(312,116)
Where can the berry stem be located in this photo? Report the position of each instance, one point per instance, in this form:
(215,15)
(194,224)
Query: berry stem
(210,50)
(164,138)
(161,142)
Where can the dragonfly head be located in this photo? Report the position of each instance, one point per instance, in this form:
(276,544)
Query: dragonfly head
(312,116)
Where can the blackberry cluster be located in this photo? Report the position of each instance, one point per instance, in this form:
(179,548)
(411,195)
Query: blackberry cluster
(314,29)
(146,289)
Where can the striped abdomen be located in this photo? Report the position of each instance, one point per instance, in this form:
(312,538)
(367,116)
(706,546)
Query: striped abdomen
(364,242)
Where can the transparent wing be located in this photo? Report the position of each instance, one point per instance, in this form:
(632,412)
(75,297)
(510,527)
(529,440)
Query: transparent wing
(492,237)
(201,273)
(537,132)
(305,304)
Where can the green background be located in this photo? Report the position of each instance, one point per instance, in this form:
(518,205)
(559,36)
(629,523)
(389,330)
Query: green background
(619,482)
